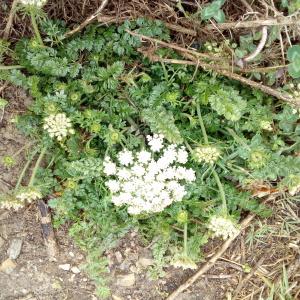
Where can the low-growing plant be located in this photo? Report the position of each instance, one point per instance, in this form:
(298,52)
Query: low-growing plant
(98,107)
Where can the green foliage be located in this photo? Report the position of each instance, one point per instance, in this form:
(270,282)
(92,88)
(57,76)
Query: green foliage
(293,56)
(114,97)
(162,121)
(213,10)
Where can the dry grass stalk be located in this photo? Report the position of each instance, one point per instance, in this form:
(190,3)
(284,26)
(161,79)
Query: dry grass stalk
(194,55)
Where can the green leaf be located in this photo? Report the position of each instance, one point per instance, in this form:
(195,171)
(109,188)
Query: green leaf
(293,53)
(211,10)
(162,121)
(220,16)
(294,68)
(3,103)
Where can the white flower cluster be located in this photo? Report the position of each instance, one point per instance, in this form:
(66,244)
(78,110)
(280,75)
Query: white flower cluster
(222,227)
(19,200)
(146,184)
(207,154)
(29,195)
(184,262)
(266,125)
(37,3)
(58,126)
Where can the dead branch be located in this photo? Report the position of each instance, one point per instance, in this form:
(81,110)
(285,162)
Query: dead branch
(10,19)
(196,56)
(280,21)
(88,20)
(176,47)
(260,45)
(156,58)
(112,19)
(48,233)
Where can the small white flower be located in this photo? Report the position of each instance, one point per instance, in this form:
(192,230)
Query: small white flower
(113,185)
(144,156)
(208,154)
(222,227)
(38,3)
(29,195)
(138,170)
(125,157)
(123,174)
(155,142)
(110,168)
(182,156)
(58,126)
(184,262)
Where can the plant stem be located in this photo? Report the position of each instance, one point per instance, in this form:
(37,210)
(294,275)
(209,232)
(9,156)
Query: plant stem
(221,190)
(35,28)
(37,164)
(216,176)
(185,238)
(202,124)
(25,169)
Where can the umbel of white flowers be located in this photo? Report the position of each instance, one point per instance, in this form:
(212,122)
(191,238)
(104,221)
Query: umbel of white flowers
(222,227)
(58,126)
(207,154)
(26,195)
(149,180)
(37,3)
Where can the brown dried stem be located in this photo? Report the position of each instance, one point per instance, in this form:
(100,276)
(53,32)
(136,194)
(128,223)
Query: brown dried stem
(88,20)
(196,56)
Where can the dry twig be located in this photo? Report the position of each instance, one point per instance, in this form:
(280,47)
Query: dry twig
(280,21)
(88,20)
(48,233)
(10,19)
(196,56)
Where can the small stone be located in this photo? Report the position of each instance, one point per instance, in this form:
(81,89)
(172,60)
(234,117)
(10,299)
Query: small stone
(7,266)
(144,262)
(72,277)
(71,254)
(125,265)
(126,280)
(133,269)
(75,270)
(119,257)
(14,249)
(4,215)
(115,297)
(65,267)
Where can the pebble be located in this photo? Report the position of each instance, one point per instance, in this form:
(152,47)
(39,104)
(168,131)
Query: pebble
(14,249)
(75,270)
(126,280)
(71,254)
(119,257)
(7,266)
(115,297)
(65,267)
(145,262)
